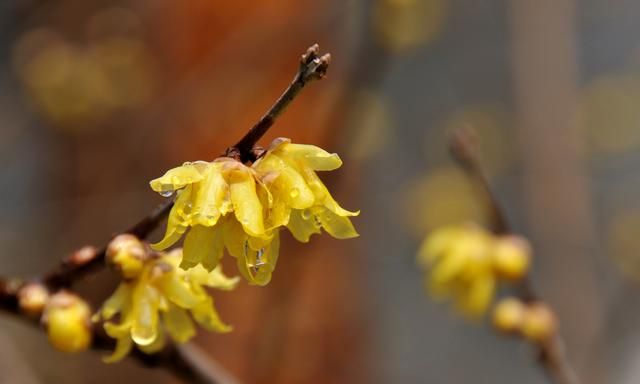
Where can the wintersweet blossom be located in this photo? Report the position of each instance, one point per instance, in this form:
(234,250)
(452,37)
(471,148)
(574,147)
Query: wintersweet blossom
(301,202)
(213,200)
(161,299)
(466,263)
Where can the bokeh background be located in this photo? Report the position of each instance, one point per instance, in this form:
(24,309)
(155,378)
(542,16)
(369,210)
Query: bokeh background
(98,97)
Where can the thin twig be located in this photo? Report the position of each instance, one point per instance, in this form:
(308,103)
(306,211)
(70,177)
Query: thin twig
(465,150)
(312,67)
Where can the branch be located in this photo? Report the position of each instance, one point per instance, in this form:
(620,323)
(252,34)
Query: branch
(184,361)
(312,67)
(465,150)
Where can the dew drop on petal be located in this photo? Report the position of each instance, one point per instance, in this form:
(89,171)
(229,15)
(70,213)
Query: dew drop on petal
(166,193)
(306,214)
(294,193)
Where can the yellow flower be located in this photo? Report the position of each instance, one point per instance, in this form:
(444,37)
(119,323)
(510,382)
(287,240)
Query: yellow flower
(162,298)
(301,202)
(67,320)
(207,195)
(466,263)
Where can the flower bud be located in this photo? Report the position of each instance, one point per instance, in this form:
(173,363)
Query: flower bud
(127,254)
(32,299)
(508,315)
(539,323)
(511,257)
(67,320)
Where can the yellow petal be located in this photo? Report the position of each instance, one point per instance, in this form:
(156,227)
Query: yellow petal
(176,178)
(212,200)
(157,344)
(115,302)
(246,203)
(177,291)
(203,245)
(234,237)
(478,295)
(449,267)
(437,243)
(289,185)
(302,224)
(176,223)
(207,316)
(179,324)
(314,157)
(123,346)
(337,226)
(144,329)
(258,265)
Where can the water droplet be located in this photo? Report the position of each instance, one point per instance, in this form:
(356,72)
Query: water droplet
(294,193)
(166,193)
(306,214)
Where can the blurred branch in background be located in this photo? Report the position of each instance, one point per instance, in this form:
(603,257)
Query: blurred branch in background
(551,352)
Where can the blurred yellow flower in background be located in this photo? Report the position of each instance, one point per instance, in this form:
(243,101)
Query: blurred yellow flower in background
(466,262)
(162,298)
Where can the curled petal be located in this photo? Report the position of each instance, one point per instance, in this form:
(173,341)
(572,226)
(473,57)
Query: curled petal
(302,224)
(246,204)
(115,302)
(257,266)
(177,223)
(288,186)
(123,346)
(311,156)
(212,200)
(145,315)
(178,324)
(337,226)
(178,291)
(234,237)
(176,178)
(207,316)
(203,245)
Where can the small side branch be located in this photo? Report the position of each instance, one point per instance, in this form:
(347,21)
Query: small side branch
(465,150)
(312,67)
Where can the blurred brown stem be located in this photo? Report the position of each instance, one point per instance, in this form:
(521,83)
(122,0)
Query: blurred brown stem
(466,151)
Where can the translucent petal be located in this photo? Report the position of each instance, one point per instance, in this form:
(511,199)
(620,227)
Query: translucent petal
(178,291)
(314,157)
(176,178)
(217,279)
(212,200)
(115,302)
(123,346)
(302,224)
(246,204)
(176,224)
(178,324)
(203,245)
(157,344)
(145,314)
(207,316)
(234,237)
(337,226)
(257,266)
(289,186)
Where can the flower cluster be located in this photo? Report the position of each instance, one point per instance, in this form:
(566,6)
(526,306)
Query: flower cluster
(466,262)
(225,204)
(157,297)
